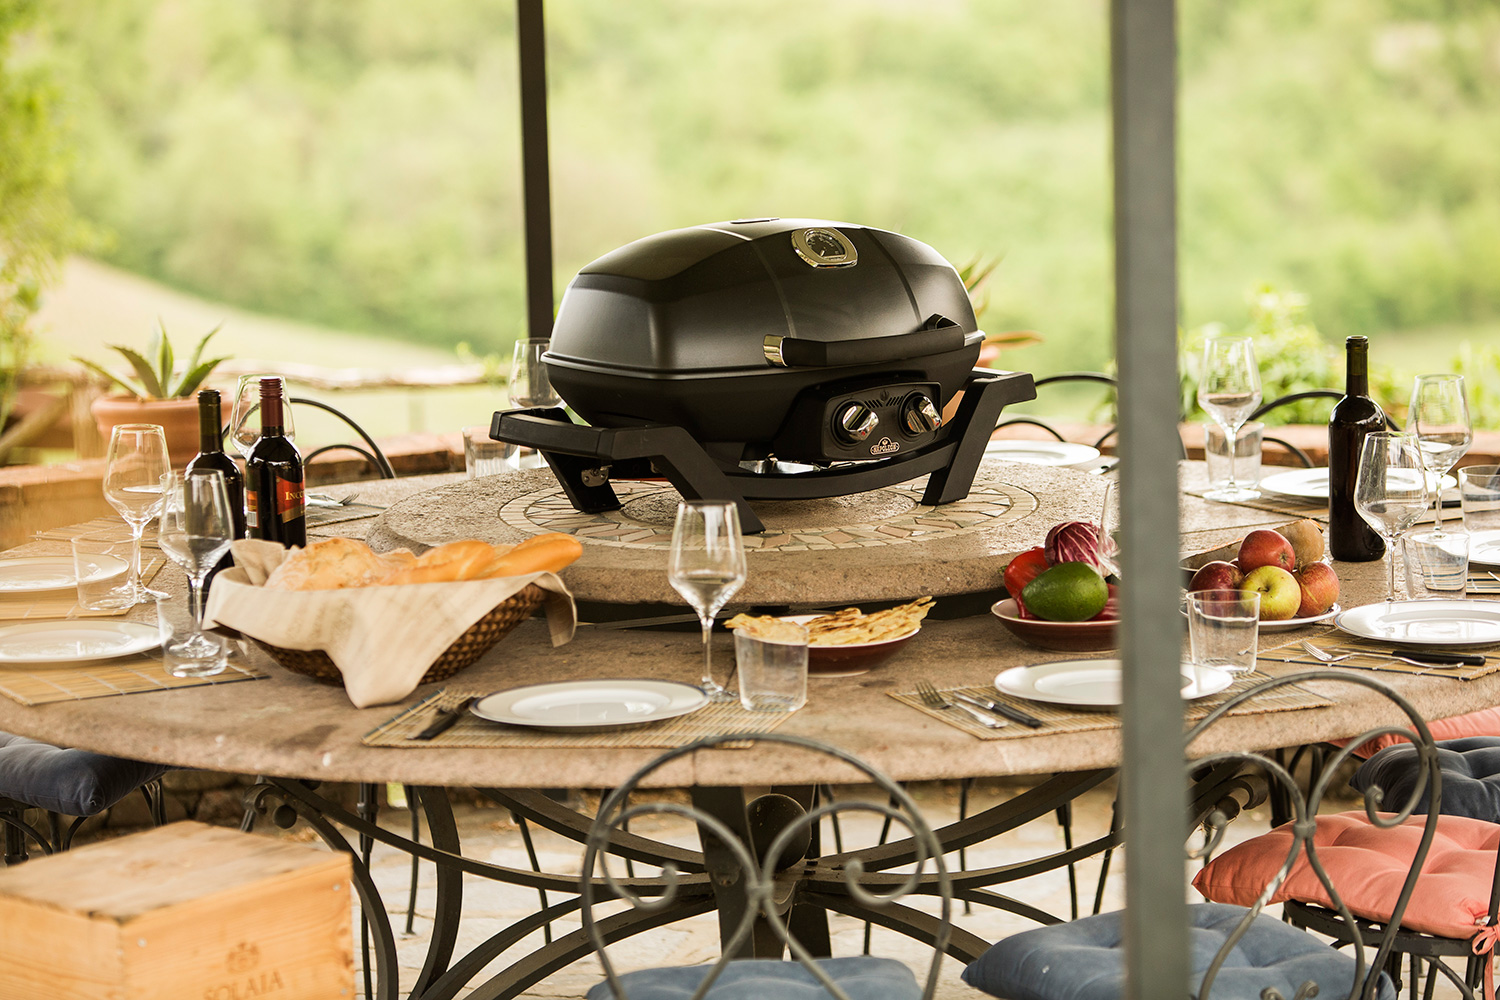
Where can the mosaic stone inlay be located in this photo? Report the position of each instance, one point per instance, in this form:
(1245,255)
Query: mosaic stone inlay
(889,516)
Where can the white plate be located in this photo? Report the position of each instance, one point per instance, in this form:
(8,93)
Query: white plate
(36,574)
(579,705)
(1425,623)
(74,642)
(1484,548)
(1312,484)
(1095,683)
(1060,453)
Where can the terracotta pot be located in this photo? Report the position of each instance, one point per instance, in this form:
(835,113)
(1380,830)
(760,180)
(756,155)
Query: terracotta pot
(178,418)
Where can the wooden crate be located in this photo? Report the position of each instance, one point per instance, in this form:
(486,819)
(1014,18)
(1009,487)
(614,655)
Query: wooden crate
(185,912)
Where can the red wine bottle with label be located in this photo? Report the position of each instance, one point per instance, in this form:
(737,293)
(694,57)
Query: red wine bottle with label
(1350,537)
(274,499)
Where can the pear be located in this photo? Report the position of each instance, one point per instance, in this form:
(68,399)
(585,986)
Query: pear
(1307,541)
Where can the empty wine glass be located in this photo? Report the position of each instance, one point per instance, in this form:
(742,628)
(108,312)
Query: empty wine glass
(1439,416)
(1390,491)
(1229,391)
(133,470)
(531,386)
(707,568)
(195,530)
(1109,530)
(244,428)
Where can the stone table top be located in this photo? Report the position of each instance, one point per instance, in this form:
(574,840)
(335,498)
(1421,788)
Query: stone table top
(291,726)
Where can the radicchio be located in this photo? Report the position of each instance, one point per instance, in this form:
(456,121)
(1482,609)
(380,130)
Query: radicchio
(1074,541)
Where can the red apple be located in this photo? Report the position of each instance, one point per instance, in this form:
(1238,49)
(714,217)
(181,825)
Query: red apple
(1217,575)
(1264,547)
(1280,594)
(1320,589)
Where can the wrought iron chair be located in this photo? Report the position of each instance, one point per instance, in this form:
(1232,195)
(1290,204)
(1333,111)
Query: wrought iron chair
(1296,397)
(58,782)
(754,865)
(1237,951)
(371,451)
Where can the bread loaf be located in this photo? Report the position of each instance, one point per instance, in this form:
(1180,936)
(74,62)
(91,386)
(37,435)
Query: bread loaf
(336,563)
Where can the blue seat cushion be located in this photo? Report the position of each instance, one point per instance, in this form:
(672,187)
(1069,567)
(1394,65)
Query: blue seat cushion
(1085,960)
(862,977)
(72,782)
(1471,776)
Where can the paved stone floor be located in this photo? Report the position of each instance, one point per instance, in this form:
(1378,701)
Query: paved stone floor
(490,834)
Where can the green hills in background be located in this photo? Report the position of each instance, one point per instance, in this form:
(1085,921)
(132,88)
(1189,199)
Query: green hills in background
(355,162)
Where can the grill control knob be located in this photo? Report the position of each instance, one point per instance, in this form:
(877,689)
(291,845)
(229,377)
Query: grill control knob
(854,422)
(920,416)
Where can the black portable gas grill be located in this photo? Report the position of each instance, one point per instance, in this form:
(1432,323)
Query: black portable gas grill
(771,359)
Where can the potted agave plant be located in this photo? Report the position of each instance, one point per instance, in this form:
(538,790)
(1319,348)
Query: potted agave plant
(157,391)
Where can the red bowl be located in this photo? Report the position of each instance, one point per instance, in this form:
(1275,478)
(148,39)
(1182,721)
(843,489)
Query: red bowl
(1062,637)
(850,658)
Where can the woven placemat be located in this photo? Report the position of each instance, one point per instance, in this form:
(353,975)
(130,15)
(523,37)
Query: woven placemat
(1277,503)
(319,516)
(1060,719)
(64,603)
(1485,582)
(470,731)
(105,527)
(106,678)
(1373,656)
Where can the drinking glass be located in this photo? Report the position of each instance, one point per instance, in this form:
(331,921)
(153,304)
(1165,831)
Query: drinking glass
(1390,490)
(1109,530)
(134,466)
(1229,391)
(1224,628)
(244,428)
(531,386)
(707,567)
(195,530)
(1439,416)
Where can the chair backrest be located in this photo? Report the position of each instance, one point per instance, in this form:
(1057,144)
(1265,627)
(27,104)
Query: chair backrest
(771,851)
(1215,809)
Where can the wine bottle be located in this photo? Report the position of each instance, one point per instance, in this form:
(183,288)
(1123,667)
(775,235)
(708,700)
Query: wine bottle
(211,456)
(274,499)
(1350,537)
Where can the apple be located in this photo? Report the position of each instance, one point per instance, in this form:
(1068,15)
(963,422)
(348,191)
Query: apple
(1280,594)
(1264,547)
(1320,589)
(1217,575)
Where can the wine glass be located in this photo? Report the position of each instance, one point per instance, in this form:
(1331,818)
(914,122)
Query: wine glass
(1109,530)
(195,530)
(1229,391)
(133,470)
(1390,490)
(707,568)
(244,428)
(531,386)
(1439,416)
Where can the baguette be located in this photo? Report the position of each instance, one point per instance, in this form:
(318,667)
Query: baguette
(449,562)
(331,564)
(338,563)
(547,553)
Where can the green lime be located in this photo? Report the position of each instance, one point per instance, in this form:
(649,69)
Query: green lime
(1068,592)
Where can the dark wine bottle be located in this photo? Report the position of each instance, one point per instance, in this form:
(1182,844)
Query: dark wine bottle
(274,499)
(211,456)
(1350,537)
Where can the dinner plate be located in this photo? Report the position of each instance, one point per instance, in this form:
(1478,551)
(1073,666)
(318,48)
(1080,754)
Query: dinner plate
(1484,547)
(37,574)
(583,705)
(74,641)
(1312,484)
(1425,623)
(1095,683)
(1060,453)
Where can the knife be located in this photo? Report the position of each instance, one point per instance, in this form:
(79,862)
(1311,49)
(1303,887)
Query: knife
(999,708)
(1449,659)
(443,720)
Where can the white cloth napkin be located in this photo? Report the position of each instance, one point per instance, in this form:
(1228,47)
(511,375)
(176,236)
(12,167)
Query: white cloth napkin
(382,639)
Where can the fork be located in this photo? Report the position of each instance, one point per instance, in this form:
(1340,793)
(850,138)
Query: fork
(1319,654)
(932,698)
(324,500)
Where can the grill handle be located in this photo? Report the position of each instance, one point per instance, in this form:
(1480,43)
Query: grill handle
(938,335)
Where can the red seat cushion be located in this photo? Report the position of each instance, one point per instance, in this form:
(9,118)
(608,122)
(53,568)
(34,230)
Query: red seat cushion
(1485,722)
(1367,865)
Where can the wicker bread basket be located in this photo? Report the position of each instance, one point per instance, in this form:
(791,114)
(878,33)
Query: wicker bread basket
(467,648)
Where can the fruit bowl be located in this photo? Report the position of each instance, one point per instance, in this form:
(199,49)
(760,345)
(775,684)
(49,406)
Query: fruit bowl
(1063,637)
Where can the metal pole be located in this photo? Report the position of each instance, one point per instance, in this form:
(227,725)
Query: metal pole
(536,196)
(1143,72)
